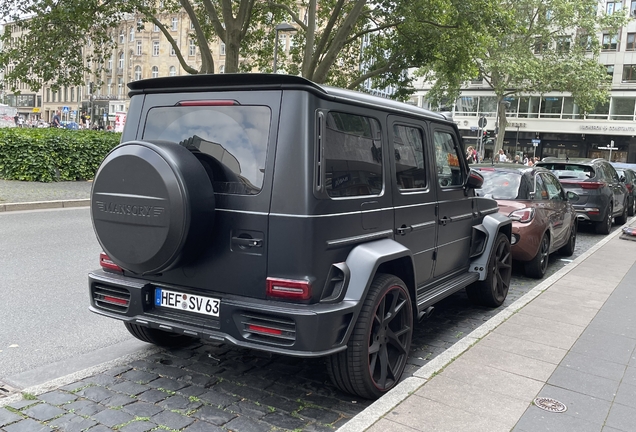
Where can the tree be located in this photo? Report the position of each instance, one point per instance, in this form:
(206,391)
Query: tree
(545,46)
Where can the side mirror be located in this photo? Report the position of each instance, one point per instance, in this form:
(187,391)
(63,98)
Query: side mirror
(622,179)
(475,180)
(572,196)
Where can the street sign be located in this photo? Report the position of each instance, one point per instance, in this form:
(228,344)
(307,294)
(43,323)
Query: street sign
(536,142)
(473,128)
(482,122)
(65,109)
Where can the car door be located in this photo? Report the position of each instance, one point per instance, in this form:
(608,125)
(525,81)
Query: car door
(454,207)
(619,191)
(557,204)
(413,196)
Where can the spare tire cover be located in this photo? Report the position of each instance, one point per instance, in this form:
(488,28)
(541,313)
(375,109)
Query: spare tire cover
(152,206)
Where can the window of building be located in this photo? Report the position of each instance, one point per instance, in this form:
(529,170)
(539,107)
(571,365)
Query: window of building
(139,46)
(539,45)
(48,95)
(551,106)
(155,28)
(192,48)
(121,60)
(467,106)
(110,63)
(631,42)
(487,106)
(410,167)
(175,23)
(109,86)
(54,96)
(610,71)
(137,73)
(191,25)
(222,48)
(350,168)
(120,86)
(155,72)
(122,37)
(222,69)
(629,73)
(563,44)
(585,41)
(131,35)
(529,106)
(632,9)
(140,25)
(613,6)
(622,108)
(610,42)
(173,71)
(155,48)
(172,51)
(600,111)
(72,94)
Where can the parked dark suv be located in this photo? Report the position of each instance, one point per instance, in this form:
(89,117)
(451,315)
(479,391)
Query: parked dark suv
(601,195)
(272,213)
(627,174)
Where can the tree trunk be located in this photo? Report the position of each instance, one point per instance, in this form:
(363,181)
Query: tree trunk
(500,124)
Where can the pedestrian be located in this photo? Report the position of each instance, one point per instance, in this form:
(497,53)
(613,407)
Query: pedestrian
(502,156)
(525,159)
(470,156)
(517,160)
(55,122)
(16,118)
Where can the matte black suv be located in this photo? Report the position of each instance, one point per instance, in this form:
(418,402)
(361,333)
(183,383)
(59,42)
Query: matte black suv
(272,213)
(601,194)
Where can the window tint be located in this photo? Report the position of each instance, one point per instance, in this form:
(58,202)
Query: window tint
(352,149)
(541,193)
(409,157)
(231,141)
(553,187)
(447,156)
(610,172)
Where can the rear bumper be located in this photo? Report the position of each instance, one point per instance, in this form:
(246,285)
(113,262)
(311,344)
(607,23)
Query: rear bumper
(314,330)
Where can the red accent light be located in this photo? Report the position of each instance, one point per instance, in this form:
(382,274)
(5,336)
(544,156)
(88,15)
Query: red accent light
(585,185)
(594,212)
(208,103)
(523,215)
(107,264)
(288,289)
(116,300)
(259,329)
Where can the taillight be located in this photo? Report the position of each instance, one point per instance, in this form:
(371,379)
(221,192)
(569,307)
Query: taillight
(107,264)
(208,103)
(523,215)
(288,289)
(592,185)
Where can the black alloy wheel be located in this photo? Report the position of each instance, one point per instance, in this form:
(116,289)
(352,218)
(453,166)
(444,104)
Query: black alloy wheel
(493,290)
(622,219)
(568,248)
(537,267)
(379,345)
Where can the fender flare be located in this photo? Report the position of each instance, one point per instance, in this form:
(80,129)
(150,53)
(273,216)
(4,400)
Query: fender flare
(491,225)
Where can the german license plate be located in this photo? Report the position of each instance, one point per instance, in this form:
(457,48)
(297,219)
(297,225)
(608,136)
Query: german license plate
(187,302)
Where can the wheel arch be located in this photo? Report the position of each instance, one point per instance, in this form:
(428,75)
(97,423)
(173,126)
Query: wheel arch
(492,225)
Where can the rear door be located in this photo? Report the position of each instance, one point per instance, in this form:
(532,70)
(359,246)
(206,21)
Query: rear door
(454,207)
(413,193)
(557,204)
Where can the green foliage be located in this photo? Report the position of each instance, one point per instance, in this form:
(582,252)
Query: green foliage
(47,155)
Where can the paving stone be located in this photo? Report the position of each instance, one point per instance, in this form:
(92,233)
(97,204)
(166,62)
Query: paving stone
(129,388)
(285,421)
(117,370)
(27,425)
(138,426)
(139,376)
(118,400)
(537,420)
(584,383)
(84,408)
(8,417)
(218,399)
(213,415)
(167,384)
(604,345)
(23,403)
(581,406)
(319,415)
(43,412)
(179,403)
(57,397)
(71,423)
(199,379)
(245,424)
(153,396)
(594,366)
(102,379)
(205,368)
(280,403)
(100,428)
(167,371)
(200,426)
(192,390)
(249,409)
(171,420)
(96,393)
(626,395)
(110,417)
(74,386)
(142,409)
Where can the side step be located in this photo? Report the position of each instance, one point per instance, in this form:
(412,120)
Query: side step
(431,294)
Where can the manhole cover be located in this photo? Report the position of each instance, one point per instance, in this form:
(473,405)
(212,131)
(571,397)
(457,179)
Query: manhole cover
(550,404)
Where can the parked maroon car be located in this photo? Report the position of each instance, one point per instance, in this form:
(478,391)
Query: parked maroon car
(544,220)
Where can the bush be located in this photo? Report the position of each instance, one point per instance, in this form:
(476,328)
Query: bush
(47,155)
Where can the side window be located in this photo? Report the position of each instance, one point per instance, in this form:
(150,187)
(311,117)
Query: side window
(352,152)
(611,172)
(540,193)
(410,170)
(447,156)
(553,187)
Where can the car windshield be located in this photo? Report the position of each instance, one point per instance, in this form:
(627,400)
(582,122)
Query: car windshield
(505,185)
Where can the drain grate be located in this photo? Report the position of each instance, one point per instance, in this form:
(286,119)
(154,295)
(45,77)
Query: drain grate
(549,404)
(5,390)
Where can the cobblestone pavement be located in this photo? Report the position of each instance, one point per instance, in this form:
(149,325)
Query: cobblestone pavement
(215,387)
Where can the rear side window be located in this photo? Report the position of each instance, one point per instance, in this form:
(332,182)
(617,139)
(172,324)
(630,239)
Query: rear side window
(352,151)
(230,141)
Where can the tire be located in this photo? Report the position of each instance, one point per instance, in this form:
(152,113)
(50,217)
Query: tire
(537,267)
(159,337)
(493,290)
(622,219)
(379,345)
(568,248)
(632,206)
(605,226)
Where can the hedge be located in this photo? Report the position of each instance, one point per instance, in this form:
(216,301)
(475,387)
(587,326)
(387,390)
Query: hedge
(46,155)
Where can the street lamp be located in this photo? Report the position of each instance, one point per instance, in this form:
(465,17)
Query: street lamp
(282,27)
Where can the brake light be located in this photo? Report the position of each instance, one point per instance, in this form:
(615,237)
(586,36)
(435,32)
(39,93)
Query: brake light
(288,289)
(585,185)
(524,215)
(208,103)
(107,264)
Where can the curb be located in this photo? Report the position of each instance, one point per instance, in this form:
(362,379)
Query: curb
(39,205)
(404,389)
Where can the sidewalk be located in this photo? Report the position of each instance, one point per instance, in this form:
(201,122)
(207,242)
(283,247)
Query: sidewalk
(17,195)
(571,340)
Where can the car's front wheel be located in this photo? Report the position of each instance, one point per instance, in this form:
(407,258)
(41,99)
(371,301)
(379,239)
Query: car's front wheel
(379,345)
(568,248)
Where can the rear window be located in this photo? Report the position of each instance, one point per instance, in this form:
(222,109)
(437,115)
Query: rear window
(504,185)
(569,171)
(231,141)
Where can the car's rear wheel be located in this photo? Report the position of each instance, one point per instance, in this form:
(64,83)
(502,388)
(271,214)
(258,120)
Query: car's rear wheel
(159,337)
(493,290)
(537,267)
(622,219)
(379,345)
(605,226)
(568,248)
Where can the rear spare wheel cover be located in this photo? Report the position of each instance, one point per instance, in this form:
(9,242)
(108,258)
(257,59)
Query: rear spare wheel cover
(151,203)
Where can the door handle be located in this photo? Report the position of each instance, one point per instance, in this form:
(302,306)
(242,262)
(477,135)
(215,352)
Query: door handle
(403,230)
(247,242)
(445,220)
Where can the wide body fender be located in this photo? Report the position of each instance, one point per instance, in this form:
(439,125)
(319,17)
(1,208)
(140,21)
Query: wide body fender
(487,232)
